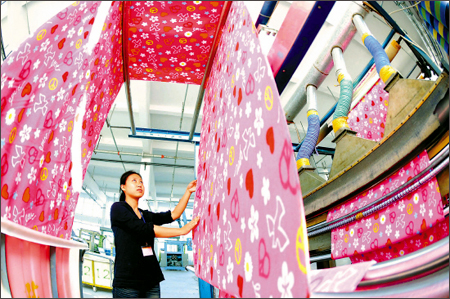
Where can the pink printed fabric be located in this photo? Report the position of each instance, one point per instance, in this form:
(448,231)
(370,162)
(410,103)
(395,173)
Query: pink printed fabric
(44,83)
(251,240)
(342,279)
(368,117)
(170,41)
(408,217)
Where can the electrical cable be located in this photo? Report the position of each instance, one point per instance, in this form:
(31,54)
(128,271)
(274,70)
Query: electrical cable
(404,8)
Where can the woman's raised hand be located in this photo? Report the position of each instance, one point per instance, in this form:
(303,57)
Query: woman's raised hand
(192,186)
(191,225)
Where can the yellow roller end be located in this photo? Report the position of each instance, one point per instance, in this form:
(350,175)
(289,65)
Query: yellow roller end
(310,112)
(364,36)
(339,123)
(385,72)
(302,162)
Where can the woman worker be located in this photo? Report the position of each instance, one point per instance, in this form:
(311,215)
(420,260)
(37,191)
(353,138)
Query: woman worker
(136,269)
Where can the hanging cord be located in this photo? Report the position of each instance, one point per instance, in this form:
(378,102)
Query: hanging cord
(393,12)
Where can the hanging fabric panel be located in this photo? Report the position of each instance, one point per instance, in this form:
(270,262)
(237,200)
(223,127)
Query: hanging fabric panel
(368,117)
(170,41)
(251,240)
(55,98)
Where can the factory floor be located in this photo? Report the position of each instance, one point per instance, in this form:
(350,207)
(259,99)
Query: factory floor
(178,284)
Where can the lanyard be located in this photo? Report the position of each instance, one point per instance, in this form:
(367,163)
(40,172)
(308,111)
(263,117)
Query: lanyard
(142,216)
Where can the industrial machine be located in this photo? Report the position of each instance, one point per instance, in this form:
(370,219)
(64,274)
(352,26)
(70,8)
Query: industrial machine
(174,260)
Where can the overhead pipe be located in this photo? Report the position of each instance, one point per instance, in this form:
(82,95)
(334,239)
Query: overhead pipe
(346,90)
(97,151)
(382,63)
(341,35)
(310,141)
(176,149)
(266,13)
(143,163)
(212,54)
(115,143)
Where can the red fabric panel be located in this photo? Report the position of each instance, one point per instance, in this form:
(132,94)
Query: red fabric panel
(292,25)
(170,41)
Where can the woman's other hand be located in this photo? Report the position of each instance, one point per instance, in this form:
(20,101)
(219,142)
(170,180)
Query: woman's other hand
(191,225)
(192,186)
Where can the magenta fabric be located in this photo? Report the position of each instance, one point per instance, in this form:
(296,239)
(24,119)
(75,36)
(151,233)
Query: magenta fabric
(170,41)
(43,83)
(290,28)
(368,117)
(410,216)
(426,237)
(251,240)
(340,279)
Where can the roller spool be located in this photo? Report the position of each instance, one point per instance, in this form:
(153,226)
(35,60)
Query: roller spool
(382,63)
(312,134)
(346,90)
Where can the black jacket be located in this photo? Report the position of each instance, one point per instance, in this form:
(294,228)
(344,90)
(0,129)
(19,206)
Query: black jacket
(131,268)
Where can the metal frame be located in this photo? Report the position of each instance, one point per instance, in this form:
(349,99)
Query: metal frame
(143,155)
(165,135)
(126,77)
(143,163)
(53,277)
(433,286)
(4,270)
(181,136)
(80,270)
(425,260)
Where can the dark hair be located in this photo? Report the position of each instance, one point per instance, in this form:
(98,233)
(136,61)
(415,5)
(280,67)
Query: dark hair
(123,180)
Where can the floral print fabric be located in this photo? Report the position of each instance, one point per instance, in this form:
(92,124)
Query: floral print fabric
(368,117)
(251,240)
(170,41)
(54,93)
(407,218)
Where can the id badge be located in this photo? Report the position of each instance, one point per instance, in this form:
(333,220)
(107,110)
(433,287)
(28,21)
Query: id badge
(147,250)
